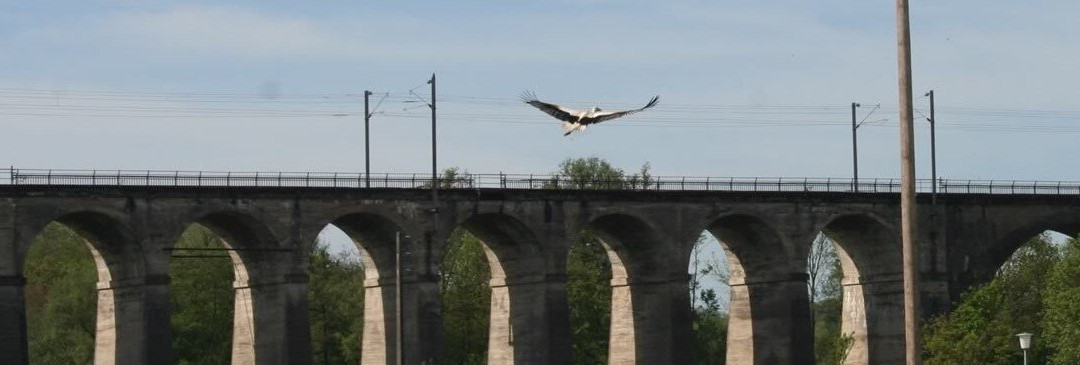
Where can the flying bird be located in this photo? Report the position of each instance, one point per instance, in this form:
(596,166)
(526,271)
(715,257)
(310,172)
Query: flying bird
(577,120)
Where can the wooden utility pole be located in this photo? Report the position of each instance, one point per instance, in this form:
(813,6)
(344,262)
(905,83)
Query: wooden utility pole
(912,338)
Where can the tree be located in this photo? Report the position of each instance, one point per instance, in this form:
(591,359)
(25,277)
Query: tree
(588,290)
(831,346)
(983,326)
(336,304)
(710,316)
(588,287)
(466,298)
(823,267)
(1061,315)
(202,301)
(61,299)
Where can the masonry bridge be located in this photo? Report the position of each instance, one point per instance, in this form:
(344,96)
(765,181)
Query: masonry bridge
(527,223)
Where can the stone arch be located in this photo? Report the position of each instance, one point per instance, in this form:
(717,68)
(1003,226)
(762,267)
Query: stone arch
(121,269)
(632,245)
(872,311)
(769,312)
(513,249)
(1011,240)
(752,245)
(374,236)
(270,315)
(642,280)
(518,269)
(253,246)
(112,242)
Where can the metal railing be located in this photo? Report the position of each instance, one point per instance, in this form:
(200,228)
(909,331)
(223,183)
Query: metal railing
(15,176)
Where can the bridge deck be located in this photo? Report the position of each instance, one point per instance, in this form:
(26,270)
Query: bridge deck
(22,177)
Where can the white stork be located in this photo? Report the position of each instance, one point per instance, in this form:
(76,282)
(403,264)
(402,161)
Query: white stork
(577,120)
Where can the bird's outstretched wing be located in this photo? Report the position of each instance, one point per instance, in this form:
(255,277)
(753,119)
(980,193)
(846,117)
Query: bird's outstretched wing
(559,112)
(600,117)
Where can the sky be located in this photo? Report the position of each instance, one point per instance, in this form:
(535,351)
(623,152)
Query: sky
(747,88)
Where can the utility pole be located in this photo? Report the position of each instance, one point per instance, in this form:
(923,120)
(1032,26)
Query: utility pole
(367,141)
(912,337)
(933,152)
(434,166)
(854,149)
(398,338)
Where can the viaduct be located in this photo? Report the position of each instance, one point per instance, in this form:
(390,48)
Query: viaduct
(527,228)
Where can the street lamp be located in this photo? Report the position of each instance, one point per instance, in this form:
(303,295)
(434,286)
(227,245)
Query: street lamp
(1025,343)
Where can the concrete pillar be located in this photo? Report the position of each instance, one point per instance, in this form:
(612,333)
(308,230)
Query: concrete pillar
(271,322)
(133,322)
(651,322)
(421,319)
(774,314)
(622,348)
(377,346)
(13,339)
(530,321)
(873,314)
(740,332)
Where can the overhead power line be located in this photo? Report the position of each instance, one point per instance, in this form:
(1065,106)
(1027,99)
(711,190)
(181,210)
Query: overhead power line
(488,110)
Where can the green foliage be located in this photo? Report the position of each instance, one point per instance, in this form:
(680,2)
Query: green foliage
(595,173)
(336,304)
(466,299)
(983,327)
(710,316)
(588,290)
(61,298)
(453,177)
(1061,317)
(202,302)
(831,346)
(710,329)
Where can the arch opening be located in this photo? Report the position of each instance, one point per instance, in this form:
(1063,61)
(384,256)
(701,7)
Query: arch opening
(513,267)
(591,267)
(352,296)
(203,297)
(711,267)
(61,268)
(1030,290)
(465,275)
(857,283)
(70,296)
(629,273)
(768,314)
(337,286)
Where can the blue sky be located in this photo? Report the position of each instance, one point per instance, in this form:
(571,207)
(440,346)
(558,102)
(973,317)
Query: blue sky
(748,88)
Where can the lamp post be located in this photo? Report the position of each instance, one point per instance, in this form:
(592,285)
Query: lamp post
(1025,343)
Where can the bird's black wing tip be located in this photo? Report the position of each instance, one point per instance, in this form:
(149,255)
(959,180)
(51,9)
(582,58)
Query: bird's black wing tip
(527,96)
(652,102)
